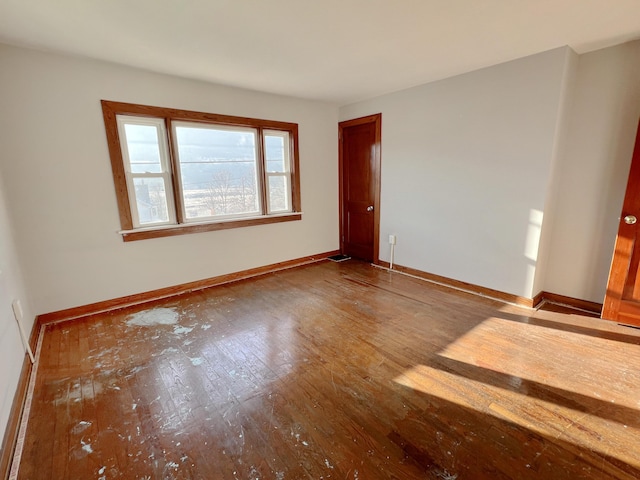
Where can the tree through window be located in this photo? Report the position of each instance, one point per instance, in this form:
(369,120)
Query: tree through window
(174,169)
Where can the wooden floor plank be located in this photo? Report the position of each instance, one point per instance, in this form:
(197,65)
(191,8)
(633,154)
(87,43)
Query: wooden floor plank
(335,370)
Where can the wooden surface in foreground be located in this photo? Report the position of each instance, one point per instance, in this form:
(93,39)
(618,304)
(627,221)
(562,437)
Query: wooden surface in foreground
(335,370)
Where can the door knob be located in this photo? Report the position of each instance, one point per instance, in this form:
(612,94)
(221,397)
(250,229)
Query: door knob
(370,209)
(630,219)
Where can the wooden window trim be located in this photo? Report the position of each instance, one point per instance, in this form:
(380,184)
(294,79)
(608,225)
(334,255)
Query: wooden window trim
(111,109)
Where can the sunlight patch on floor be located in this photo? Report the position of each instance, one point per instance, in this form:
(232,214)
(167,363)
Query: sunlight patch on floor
(537,354)
(555,422)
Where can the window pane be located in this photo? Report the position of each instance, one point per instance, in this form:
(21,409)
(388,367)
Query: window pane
(151,200)
(218,171)
(278,194)
(275,152)
(143,149)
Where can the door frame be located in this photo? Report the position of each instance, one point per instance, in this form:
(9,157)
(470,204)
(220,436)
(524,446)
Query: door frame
(614,307)
(376,119)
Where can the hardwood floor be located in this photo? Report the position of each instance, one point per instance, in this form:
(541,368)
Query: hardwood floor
(335,370)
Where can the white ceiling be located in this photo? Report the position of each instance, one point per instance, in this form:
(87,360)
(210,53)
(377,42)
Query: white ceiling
(333,50)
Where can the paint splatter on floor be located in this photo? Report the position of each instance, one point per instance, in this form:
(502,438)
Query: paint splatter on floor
(86,447)
(154,316)
(75,393)
(196,361)
(80,427)
(181,330)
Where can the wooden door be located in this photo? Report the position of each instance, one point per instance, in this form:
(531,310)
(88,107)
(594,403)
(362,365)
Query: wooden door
(622,300)
(360,187)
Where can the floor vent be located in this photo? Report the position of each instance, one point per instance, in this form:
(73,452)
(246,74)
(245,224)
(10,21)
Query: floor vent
(339,258)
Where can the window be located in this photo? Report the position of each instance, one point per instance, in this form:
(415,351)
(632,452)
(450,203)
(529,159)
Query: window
(178,171)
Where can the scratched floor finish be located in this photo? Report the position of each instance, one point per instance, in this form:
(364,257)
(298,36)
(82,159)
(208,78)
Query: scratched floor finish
(335,370)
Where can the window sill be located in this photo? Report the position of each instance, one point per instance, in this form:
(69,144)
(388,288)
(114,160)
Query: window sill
(184,229)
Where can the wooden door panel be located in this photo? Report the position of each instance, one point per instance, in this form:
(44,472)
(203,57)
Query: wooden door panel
(360,187)
(629,309)
(622,299)
(632,285)
(360,232)
(358,141)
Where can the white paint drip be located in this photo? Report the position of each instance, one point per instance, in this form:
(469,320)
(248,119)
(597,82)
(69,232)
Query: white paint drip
(205,327)
(179,330)
(197,361)
(102,470)
(80,427)
(137,369)
(86,447)
(154,316)
(76,394)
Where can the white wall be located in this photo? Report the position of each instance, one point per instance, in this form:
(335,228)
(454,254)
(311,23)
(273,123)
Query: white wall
(553,184)
(593,171)
(60,190)
(466,170)
(469,165)
(12,353)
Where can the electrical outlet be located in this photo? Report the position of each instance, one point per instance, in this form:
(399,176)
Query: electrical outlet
(392,239)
